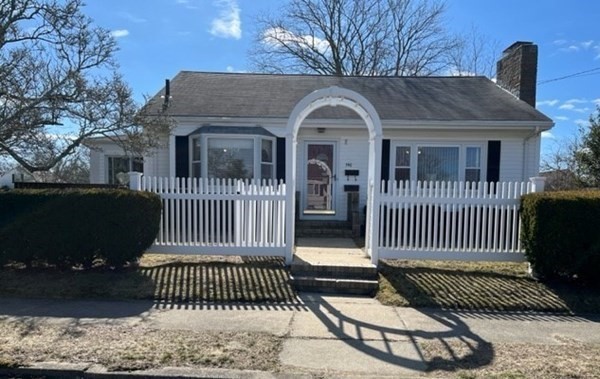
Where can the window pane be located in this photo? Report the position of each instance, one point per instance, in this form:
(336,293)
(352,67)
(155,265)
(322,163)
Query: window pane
(266,171)
(402,174)
(473,157)
(196,149)
(403,156)
(437,163)
(118,167)
(230,158)
(267,150)
(472,175)
(138,165)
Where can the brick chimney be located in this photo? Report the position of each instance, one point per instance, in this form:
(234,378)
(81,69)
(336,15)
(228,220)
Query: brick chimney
(516,71)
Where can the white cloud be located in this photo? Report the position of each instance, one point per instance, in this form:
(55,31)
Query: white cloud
(581,122)
(561,118)
(230,69)
(559,42)
(587,44)
(229,23)
(119,33)
(548,135)
(576,101)
(279,36)
(131,17)
(567,106)
(596,101)
(550,103)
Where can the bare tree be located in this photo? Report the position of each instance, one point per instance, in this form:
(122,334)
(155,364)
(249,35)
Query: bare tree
(58,83)
(475,54)
(355,37)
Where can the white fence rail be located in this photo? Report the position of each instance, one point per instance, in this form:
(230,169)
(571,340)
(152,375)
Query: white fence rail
(451,220)
(219,216)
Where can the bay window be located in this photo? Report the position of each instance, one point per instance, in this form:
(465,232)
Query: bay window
(232,156)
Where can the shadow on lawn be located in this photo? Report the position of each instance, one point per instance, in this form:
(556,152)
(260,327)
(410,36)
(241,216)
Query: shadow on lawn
(261,282)
(457,289)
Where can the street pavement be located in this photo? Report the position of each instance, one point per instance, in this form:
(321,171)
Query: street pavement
(339,336)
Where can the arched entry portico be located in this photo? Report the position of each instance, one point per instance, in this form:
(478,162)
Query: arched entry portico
(332,97)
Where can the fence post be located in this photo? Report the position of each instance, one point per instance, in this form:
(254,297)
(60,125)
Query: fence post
(537,183)
(135,181)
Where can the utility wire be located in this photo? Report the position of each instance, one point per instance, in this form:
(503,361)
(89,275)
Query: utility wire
(581,73)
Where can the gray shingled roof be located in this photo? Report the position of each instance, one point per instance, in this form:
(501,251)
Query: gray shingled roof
(395,98)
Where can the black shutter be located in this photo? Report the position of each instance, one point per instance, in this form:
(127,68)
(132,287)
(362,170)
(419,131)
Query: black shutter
(280,169)
(385,160)
(182,157)
(493,161)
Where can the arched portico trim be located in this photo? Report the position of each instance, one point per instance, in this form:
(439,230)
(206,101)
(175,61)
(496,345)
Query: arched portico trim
(332,97)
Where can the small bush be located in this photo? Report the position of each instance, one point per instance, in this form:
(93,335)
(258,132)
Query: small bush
(560,234)
(77,227)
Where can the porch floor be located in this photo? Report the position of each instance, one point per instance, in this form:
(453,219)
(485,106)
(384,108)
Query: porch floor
(330,252)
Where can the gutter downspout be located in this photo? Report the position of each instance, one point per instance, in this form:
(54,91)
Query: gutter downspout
(535,133)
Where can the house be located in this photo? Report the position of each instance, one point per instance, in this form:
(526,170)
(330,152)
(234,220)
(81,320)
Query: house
(328,136)
(17,174)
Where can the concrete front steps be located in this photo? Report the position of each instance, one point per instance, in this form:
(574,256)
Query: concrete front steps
(322,229)
(332,265)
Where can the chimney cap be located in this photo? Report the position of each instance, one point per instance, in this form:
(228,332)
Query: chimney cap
(516,45)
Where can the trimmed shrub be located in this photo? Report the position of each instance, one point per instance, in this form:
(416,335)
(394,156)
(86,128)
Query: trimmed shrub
(561,234)
(77,227)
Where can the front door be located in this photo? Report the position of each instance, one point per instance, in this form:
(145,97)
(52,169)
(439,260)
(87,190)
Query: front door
(319,191)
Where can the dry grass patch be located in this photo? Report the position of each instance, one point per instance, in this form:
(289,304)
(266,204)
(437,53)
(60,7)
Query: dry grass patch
(164,278)
(570,359)
(126,347)
(478,286)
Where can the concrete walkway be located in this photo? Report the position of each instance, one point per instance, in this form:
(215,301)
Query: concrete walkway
(341,336)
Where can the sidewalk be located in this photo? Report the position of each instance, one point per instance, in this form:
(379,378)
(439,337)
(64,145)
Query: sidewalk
(333,336)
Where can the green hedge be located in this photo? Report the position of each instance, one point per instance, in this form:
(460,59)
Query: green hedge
(561,234)
(77,227)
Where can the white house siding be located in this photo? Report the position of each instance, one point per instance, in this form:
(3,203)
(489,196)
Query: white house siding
(511,160)
(96,167)
(532,153)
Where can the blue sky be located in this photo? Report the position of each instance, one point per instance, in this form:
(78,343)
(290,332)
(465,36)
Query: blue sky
(158,38)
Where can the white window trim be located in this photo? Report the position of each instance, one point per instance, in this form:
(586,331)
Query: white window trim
(257,146)
(462,156)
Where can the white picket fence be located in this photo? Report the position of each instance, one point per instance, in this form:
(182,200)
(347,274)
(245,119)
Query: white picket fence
(451,220)
(219,216)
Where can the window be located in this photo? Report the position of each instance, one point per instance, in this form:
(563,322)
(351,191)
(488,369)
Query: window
(473,164)
(227,156)
(119,167)
(266,159)
(437,163)
(230,158)
(196,157)
(431,162)
(402,170)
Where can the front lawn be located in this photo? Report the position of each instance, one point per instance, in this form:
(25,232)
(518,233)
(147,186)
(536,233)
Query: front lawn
(478,286)
(164,278)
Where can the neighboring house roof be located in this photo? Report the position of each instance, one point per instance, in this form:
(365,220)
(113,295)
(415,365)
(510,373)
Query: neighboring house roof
(395,98)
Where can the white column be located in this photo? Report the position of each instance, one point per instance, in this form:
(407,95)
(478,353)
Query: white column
(135,181)
(538,183)
(290,195)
